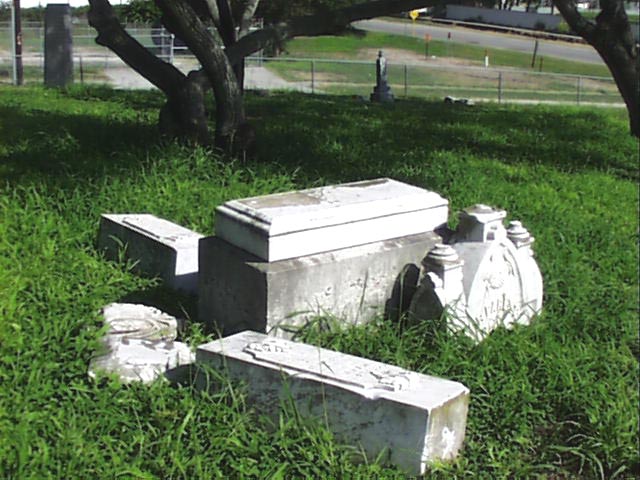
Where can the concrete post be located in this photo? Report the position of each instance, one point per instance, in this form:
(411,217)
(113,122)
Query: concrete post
(58,61)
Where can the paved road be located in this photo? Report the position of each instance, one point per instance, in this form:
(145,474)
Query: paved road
(567,51)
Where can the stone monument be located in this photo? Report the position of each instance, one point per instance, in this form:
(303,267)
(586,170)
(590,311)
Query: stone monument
(382,91)
(410,418)
(278,260)
(58,60)
(486,278)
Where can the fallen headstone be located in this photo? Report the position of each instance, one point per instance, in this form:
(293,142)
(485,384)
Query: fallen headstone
(410,418)
(278,260)
(486,278)
(139,344)
(157,247)
(460,101)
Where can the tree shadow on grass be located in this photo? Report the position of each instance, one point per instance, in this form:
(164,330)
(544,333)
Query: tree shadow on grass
(348,137)
(54,143)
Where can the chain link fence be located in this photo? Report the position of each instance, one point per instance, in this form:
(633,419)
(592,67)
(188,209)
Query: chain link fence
(437,81)
(427,78)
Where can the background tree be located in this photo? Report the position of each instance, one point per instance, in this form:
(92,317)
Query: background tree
(220,50)
(610,34)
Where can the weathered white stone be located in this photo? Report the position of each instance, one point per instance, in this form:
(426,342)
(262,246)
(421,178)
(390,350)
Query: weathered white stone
(410,418)
(294,224)
(131,320)
(487,278)
(139,344)
(137,360)
(239,291)
(159,247)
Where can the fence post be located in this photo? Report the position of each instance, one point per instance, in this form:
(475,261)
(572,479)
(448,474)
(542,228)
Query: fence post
(313,76)
(171,44)
(578,87)
(406,80)
(81,71)
(499,87)
(14,58)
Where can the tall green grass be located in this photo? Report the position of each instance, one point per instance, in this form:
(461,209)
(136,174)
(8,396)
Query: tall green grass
(557,399)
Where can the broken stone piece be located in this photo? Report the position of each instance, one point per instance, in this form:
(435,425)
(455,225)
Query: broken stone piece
(128,320)
(137,360)
(158,247)
(139,343)
(408,417)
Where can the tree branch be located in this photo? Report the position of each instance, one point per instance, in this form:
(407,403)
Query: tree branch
(247,14)
(580,25)
(163,75)
(325,23)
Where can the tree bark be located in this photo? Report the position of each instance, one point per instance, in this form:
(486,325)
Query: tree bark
(179,17)
(183,115)
(611,36)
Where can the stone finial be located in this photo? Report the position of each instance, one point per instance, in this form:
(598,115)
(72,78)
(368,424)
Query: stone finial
(519,235)
(444,262)
(441,255)
(481,223)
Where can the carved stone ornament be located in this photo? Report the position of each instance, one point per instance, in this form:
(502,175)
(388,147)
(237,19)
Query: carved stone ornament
(139,344)
(486,278)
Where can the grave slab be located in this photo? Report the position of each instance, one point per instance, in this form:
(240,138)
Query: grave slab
(296,224)
(240,291)
(159,247)
(408,417)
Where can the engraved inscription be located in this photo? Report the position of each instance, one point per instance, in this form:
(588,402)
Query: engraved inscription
(501,289)
(334,366)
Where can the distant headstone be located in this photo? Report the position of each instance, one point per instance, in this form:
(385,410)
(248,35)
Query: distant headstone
(382,91)
(486,278)
(409,418)
(58,60)
(139,344)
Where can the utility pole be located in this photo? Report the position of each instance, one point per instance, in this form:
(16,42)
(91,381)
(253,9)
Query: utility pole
(18,72)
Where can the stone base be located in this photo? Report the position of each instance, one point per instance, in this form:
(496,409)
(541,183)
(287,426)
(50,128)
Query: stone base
(239,291)
(382,94)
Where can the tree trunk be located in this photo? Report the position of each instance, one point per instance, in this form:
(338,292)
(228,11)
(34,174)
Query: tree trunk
(184,115)
(612,38)
(179,17)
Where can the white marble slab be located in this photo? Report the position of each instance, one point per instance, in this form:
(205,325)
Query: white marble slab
(413,418)
(294,224)
(158,246)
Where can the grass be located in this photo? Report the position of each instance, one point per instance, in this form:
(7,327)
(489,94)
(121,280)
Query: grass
(557,399)
(351,46)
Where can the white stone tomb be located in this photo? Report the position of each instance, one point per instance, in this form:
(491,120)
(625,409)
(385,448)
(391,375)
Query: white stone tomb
(139,344)
(279,260)
(159,247)
(306,222)
(486,278)
(410,417)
